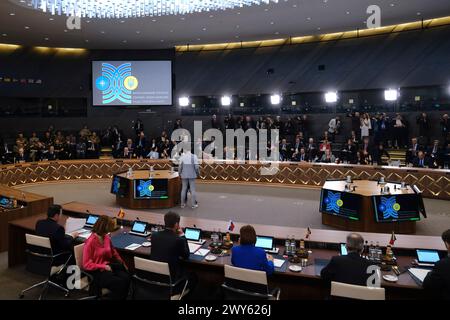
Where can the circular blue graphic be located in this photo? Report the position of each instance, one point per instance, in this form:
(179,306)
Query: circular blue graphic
(102,83)
(382,207)
(327,200)
(139,188)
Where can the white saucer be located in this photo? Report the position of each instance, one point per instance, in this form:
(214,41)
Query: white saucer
(146,244)
(295,268)
(390,278)
(210,258)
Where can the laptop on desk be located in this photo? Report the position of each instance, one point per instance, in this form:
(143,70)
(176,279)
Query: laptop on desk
(266,243)
(139,228)
(193,235)
(427,258)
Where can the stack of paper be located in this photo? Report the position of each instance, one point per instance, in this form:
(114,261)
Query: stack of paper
(419,274)
(133,246)
(74,224)
(278,263)
(202,252)
(193,247)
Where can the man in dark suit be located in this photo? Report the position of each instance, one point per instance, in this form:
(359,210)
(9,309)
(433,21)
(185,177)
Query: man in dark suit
(348,153)
(421,161)
(437,280)
(50,228)
(171,246)
(352,268)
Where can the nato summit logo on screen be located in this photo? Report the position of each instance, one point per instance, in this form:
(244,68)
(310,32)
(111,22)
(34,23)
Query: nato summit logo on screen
(116,83)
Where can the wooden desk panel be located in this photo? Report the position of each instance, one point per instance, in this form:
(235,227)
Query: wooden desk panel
(32,204)
(173,190)
(435,183)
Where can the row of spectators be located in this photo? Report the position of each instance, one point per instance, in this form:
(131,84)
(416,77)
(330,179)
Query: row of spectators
(364,143)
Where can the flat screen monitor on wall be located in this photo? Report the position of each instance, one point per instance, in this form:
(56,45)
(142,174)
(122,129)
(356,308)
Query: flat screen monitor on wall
(131,83)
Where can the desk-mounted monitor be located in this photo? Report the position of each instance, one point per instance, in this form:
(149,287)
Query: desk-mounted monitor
(151,189)
(342,204)
(391,208)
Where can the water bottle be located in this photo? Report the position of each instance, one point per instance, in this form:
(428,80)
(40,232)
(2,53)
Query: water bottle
(378,252)
(287,246)
(371,251)
(293,246)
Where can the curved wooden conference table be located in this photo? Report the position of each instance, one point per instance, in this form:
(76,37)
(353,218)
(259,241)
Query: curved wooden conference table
(324,243)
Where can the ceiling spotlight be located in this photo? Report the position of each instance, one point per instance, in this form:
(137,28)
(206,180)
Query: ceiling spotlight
(109,9)
(183,101)
(275,99)
(331,97)
(225,101)
(391,95)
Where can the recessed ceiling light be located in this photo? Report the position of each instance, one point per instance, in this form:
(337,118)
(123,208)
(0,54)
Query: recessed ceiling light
(419,13)
(51,19)
(4,35)
(171,31)
(27,27)
(392,4)
(271,22)
(309,18)
(162,40)
(102,32)
(46,39)
(204,29)
(86,40)
(138,32)
(348,12)
(12,14)
(294,6)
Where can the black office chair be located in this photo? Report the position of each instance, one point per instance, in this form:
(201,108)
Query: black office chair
(152,281)
(40,261)
(246,284)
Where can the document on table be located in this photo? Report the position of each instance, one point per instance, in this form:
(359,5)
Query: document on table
(419,274)
(133,246)
(193,247)
(74,224)
(85,235)
(202,252)
(278,263)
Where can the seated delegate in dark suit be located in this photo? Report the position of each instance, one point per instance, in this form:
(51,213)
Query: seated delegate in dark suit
(421,161)
(348,153)
(170,245)
(50,228)
(378,153)
(350,269)
(247,256)
(438,280)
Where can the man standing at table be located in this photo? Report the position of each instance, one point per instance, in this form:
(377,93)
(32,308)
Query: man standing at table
(188,170)
(438,280)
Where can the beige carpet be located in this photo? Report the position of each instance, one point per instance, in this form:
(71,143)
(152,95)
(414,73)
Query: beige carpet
(251,204)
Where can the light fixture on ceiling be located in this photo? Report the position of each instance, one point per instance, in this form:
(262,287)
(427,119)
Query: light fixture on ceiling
(135,8)
(331,97)
(275,99)
(183,101)
(391,95)
(225,101)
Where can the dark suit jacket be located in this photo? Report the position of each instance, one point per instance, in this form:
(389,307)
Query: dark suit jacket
(438,280)
(169,247)
(59,240)
(351,269)
(426,162)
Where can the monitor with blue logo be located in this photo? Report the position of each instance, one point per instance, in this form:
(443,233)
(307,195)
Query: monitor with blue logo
(391,208)
(342,204)
(151,189)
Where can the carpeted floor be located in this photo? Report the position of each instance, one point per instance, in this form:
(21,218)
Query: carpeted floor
(250,204)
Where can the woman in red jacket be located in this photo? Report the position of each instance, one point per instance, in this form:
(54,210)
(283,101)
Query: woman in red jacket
(103,261)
